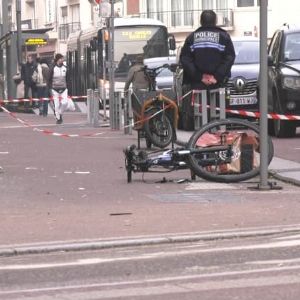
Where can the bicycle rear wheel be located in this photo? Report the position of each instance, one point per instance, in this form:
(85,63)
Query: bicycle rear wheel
(242,159)
(158,127)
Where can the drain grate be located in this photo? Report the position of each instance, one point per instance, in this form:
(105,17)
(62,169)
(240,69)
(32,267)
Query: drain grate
(200,197)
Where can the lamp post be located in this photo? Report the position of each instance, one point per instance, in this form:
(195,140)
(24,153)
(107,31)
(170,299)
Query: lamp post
(19,31)
(111,54)
(263,88)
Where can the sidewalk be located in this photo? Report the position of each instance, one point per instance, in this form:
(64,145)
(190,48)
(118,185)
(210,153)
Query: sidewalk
(79,199)
(282,169)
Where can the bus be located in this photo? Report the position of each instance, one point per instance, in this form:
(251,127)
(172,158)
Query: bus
(87,52)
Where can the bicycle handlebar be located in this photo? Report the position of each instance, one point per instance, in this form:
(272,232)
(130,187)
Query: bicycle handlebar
(155,71)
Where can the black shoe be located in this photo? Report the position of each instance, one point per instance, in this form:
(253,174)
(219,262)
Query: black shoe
(59,121)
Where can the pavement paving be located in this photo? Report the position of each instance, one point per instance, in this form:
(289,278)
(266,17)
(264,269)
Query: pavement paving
(282,169)
(85,211)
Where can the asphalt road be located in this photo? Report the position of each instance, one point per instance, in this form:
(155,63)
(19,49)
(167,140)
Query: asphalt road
(56,188)
(265,267)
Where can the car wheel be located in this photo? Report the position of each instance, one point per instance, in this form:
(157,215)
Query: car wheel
(282,128)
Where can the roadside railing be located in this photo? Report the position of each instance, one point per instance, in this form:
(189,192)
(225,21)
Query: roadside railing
(179,19)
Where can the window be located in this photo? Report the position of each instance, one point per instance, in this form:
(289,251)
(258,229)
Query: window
(207,4)
(245,3)
(64,14)
(182,12)
(155,9)
(188,13)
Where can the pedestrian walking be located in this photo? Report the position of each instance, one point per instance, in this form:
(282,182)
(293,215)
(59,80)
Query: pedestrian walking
(27,70)
(140,84)
(206,56)
(58,83)
(42,74)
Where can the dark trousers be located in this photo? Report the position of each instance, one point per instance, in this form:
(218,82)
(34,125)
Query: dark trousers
(43,92)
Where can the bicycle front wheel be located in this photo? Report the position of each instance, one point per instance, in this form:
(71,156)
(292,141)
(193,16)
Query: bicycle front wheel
(158,127)
(239,156)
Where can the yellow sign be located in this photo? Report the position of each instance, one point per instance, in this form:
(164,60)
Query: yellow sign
(137,35)
(35,41)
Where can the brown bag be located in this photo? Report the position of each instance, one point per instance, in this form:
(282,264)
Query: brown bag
(244,148)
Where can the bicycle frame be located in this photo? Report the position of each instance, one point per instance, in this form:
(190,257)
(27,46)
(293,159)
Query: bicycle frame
(164,103)
(171,160)
(159,131)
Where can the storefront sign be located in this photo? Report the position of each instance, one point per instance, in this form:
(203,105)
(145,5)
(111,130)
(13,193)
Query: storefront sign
(35,41)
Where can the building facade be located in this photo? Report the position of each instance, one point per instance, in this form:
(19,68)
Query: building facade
(59,18)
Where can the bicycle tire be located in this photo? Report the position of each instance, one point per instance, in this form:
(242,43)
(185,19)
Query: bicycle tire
(249,162)
(159,128)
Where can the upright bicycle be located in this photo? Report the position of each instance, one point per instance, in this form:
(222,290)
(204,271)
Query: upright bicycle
(155,112)
(222,151)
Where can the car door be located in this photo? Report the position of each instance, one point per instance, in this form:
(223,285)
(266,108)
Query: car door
(274,71)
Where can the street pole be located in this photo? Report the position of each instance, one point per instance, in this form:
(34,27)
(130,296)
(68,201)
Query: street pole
(4,17)
(19,31)
(263,96)
(111,56)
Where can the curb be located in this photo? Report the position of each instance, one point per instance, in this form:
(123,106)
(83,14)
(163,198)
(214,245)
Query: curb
(142,241)
(282,178)
(273,173)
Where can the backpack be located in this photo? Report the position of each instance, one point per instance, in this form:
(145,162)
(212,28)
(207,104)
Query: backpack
(37,75)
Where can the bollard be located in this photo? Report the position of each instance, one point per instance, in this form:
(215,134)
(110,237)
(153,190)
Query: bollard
(89,94)
(115,111)
(93,107)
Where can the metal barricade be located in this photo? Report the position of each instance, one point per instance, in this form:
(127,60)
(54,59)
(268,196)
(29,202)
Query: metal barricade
(115,112)
(205,106)
(128,114)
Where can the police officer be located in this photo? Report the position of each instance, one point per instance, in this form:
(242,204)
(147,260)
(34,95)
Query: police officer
(206,57)
(207,54)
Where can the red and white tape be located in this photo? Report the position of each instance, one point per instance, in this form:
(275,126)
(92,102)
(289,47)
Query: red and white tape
(46,131)
(77,98)
(254,114)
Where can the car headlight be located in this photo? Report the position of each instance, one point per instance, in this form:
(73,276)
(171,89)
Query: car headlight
(291,82)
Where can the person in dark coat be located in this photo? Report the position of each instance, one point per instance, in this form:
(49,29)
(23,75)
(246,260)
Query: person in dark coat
(206,57)
(42,85)
(27,70)
(207,54)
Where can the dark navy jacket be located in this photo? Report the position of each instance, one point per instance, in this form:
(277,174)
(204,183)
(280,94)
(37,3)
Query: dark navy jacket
(208,50)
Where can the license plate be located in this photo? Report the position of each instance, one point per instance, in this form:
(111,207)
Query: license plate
(242,101)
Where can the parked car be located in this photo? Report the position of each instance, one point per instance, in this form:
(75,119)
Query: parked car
(164,80)
(284,79)
(241,87)
(243,83)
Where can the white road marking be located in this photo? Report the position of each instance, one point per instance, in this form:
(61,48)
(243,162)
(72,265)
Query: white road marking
(163,254)
(202,286)
(82,172)
(209,186)
(6,152)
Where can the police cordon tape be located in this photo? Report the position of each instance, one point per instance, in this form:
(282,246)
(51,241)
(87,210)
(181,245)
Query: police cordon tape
(49,132)
(257,114)
(46,131)
(236,112)
(245,113)
(21,100)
